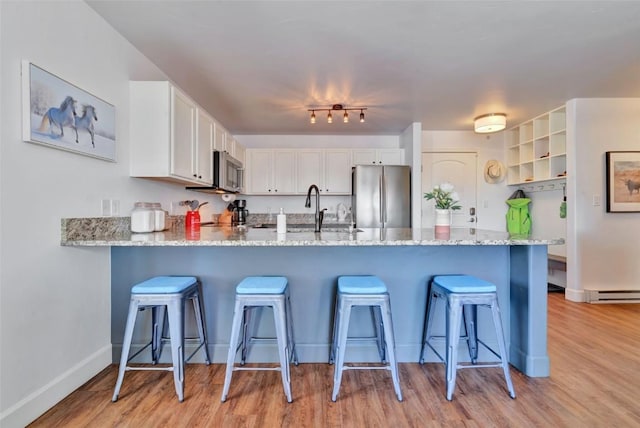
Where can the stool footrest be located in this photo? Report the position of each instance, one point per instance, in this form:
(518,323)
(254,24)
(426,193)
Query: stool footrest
(366,367)
(149,369)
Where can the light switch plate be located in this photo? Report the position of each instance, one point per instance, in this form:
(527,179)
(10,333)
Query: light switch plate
(597,200)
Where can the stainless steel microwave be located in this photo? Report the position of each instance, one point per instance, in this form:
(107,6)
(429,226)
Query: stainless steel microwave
(228,175)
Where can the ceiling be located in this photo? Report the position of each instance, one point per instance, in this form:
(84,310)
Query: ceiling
(257,66)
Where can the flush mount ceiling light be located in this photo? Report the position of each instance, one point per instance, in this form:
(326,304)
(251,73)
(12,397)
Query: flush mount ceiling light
(492,122)
(337,107)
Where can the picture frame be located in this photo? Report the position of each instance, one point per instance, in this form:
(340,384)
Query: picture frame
(623,181)
(58,114)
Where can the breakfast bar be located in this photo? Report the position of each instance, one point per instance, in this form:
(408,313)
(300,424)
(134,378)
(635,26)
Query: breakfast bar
(405,259)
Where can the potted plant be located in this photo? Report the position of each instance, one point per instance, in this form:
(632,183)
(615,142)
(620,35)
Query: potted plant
(446,201)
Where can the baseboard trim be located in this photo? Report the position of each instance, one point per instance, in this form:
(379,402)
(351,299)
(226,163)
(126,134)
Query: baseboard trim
(35,404)
(574,295)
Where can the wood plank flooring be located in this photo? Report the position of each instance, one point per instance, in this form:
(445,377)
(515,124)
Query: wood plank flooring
(594,382)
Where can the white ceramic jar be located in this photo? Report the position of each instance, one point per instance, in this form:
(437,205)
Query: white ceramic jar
(160,217)
(142,218)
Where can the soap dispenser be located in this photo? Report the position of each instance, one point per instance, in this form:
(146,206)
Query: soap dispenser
(281,222)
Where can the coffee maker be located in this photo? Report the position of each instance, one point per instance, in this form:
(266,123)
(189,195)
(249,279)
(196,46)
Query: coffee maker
(240,213)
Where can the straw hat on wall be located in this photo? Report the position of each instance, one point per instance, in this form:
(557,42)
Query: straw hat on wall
(494,171)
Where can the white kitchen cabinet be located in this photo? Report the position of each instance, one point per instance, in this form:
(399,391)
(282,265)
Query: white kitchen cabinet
(219,137)
(204,137)
(329,169)
(270,172)
(310,169)
(378,156)
(163,134)
(337,171)
(536,149)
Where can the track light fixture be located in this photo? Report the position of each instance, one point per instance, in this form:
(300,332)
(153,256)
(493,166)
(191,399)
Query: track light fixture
(337,107)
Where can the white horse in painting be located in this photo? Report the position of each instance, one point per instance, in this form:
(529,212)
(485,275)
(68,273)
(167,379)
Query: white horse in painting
(63,116)
(86,122)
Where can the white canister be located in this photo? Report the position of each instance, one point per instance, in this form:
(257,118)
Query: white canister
(142,218)
(160,217)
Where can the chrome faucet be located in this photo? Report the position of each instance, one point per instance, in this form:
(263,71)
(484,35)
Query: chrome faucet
(319,213)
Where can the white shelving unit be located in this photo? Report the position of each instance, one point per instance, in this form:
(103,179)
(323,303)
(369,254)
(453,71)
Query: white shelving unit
(536,149)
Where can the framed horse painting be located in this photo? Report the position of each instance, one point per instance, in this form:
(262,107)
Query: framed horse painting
(623,182)
(59,114)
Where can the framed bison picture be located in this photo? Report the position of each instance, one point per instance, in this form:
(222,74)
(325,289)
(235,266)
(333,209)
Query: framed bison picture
(623,182)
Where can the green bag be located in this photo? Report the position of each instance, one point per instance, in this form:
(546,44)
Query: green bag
(518,218)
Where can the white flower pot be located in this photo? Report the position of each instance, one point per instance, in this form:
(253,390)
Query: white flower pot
(443,217)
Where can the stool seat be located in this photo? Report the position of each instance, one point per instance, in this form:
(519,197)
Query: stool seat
(369,291)
(262,285)
(364,284)
(464,284)
(164,285)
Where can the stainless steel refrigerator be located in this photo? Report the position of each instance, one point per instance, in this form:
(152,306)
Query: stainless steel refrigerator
(381,196)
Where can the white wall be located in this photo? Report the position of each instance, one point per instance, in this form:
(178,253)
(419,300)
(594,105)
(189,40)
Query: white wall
(605,255)
(491,206)
(55,301)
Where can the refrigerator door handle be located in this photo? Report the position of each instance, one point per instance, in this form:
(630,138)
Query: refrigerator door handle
(383,200)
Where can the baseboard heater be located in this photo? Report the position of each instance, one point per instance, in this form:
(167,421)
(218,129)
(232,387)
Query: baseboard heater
(613,296)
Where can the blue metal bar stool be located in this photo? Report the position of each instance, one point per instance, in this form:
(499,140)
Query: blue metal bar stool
(255,292)
(366,290)
(463,294)
(170,292)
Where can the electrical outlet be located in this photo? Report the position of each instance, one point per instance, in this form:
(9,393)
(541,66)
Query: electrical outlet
(597,200)
(115,207)
(105,207)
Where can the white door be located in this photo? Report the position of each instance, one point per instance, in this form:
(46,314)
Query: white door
(459,169)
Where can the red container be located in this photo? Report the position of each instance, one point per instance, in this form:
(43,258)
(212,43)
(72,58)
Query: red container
(193,220)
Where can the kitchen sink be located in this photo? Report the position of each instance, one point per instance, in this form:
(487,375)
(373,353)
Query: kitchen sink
(293,228)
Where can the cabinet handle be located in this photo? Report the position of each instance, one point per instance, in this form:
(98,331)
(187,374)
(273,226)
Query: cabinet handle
(269,190)
(199,176)
(195,176)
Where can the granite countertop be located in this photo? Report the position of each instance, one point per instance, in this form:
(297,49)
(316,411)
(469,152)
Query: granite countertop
(105,232)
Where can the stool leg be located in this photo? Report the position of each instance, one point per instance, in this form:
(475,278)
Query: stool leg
(376,312)
(452,339)
(495,310)
(175,308)
(334,332)
(202,332)
(387,326)
(248,327)
(156,334)
(428,322)
(470,315)
(292,344)
(279,315)
(126,346)
(344,313)
(233,343)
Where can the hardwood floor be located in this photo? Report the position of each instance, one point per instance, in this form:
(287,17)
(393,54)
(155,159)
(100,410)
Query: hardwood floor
(594,382)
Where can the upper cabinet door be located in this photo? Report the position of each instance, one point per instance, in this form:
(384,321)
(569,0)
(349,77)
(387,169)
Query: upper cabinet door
(258,174)
(204,145)
(284,172)
(390,156)
(182,136)
(337,171)
(219,139)
(364,156)
(310,165)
